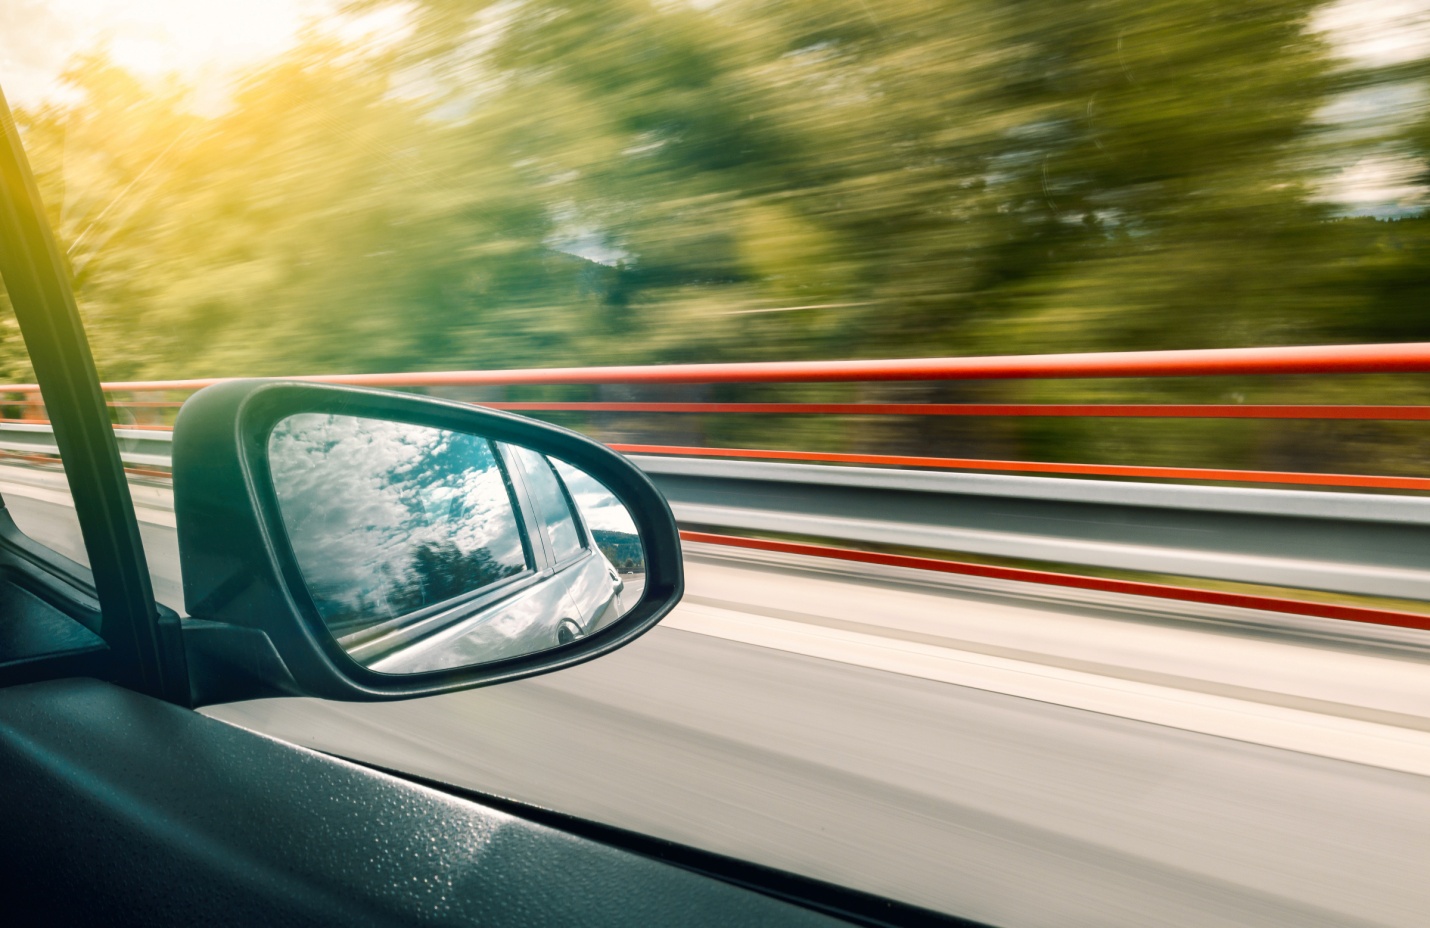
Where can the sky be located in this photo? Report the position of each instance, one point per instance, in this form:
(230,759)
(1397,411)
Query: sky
(204,42)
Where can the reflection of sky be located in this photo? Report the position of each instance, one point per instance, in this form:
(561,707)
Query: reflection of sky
(599,507)
(360,497)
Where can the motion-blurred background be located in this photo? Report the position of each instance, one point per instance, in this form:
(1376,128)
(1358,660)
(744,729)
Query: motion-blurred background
(286,187)
(330,187)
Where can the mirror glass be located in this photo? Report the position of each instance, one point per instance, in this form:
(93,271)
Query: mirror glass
(426,549)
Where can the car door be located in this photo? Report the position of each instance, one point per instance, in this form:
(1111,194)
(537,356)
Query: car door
(576,562)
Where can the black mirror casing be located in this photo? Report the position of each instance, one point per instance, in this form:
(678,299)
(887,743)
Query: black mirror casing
(254,631)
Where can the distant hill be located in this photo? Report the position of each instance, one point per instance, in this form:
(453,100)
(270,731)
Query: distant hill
(622,549)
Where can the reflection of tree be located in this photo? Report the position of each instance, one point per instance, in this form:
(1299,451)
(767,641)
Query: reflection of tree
(622,549)
(436,572)
(440,570)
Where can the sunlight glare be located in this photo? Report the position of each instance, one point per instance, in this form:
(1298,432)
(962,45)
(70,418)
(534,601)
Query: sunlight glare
(201,42)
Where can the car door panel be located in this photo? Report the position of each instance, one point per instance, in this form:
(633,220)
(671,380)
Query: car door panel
(593,591)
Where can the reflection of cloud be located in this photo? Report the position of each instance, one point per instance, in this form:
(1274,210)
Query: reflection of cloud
(361,499)
(599,507)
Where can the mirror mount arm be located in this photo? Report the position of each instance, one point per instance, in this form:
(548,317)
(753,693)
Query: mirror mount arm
(233,663)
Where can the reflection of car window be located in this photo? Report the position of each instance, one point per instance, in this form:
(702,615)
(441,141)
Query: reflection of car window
(552,508)
(612,529)
(387,518)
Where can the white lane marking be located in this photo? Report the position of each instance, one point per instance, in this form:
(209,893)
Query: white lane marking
(1333,737)
(143,513)
(56,497)
(163,517)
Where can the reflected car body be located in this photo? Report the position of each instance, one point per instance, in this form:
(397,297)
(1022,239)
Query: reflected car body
(553,605)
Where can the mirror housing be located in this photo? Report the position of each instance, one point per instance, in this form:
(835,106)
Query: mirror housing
(253,629)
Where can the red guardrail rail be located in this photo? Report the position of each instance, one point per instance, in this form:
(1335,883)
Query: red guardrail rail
(1325,359)
(1338,611)
(1413,357)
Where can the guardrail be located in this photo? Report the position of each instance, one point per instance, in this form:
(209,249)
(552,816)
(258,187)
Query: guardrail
(1336,542)
(147,404)
(1324,541)
(1361,544)
(139,449)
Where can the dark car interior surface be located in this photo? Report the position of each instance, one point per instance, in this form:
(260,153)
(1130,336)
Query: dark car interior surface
(125,809)
(125,806)
(138,812)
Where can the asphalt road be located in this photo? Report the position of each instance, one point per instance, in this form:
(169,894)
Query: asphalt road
(1008,754)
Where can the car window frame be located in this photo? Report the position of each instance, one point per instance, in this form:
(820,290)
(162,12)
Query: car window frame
(558,565)
(144,639)
(583,531)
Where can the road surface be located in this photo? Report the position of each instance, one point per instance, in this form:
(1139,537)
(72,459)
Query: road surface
(1013,754)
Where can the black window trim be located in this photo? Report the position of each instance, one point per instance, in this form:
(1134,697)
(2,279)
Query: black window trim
(583,531)
(144,639)
(558,566)
(530,519)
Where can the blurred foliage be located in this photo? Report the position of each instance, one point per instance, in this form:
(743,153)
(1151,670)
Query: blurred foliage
(551,182)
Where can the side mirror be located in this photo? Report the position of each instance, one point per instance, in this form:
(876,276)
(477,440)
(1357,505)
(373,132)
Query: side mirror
(358,544)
